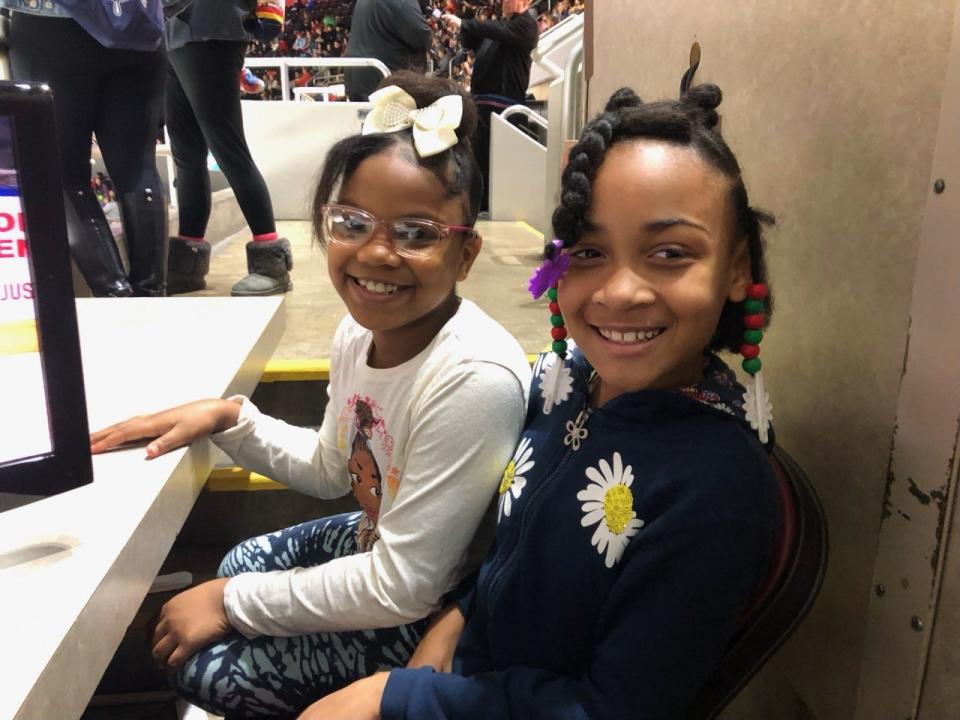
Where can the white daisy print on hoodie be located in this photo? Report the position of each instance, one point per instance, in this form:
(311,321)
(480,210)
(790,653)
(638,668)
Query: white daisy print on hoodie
(608,504)
(513,481)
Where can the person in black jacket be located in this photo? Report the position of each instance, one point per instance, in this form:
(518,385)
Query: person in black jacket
(392,31)
(501,70)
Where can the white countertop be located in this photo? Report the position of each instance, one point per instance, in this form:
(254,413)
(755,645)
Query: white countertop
(63,615)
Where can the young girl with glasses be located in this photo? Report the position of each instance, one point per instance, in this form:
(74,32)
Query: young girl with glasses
(427,397)
(638,516)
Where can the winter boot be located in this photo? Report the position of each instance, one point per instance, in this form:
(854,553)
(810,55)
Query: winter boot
(188,265)
(92,245)
(144,216)
(269,263)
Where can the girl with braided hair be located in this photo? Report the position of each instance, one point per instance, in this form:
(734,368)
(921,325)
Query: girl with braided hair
(638,515)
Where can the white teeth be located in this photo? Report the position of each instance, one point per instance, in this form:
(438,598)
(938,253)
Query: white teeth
(377,287)
(630,336)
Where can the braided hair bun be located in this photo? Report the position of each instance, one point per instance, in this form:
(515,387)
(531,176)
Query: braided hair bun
(623,98)
(702,101)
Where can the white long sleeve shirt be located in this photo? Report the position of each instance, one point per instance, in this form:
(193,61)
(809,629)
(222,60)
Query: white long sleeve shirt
(422,445)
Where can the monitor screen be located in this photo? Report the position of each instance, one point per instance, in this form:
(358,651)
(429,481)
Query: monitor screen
(23,420)
(44,440)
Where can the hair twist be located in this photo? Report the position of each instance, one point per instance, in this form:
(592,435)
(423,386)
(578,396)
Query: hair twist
(702,102)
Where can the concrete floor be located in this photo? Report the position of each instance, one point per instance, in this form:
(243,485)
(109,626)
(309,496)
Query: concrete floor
(497,283)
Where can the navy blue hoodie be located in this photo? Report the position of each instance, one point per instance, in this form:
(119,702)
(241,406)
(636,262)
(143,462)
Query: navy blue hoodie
(630,540)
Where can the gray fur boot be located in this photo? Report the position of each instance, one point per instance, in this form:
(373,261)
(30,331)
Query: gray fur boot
(269,264)
(187,266)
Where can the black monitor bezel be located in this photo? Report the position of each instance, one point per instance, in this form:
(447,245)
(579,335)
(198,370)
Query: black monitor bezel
(30,109)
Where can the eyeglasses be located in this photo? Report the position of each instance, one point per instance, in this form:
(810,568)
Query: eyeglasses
(410,237)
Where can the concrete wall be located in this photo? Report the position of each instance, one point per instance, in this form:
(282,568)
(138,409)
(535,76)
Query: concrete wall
(832,107)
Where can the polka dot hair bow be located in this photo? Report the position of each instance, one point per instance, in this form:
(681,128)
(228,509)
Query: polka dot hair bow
(434,127)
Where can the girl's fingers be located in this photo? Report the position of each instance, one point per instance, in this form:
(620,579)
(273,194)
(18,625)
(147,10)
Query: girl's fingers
(100,435)
(119,433)
(163,649)
(108,441)
(160,630)
(138,428)
(175,437)
(178,657)
(97,436)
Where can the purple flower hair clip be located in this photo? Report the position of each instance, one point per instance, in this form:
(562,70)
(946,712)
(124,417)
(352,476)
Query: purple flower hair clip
(554,265)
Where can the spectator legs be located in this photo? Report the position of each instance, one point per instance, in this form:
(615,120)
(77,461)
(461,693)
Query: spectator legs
(189,149)
(206,74)
(117,94)
(481,150)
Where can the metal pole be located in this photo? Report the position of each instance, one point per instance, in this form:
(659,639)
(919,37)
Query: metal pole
(284,79)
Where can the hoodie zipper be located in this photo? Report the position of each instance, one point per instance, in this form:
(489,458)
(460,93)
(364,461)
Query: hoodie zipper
(518,536)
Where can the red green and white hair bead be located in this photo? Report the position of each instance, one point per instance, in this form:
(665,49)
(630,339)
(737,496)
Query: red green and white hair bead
(558,331)
(756,401)
(754,319)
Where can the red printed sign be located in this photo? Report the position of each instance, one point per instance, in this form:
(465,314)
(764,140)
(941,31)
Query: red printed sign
(24,426)
(16,290)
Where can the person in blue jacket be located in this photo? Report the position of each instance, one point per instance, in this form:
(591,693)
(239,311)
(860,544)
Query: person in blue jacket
(638,515)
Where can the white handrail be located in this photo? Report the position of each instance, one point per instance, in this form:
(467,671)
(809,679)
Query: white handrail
(285,63)
(564,107)
(571,82)
(558,34)
(536,118)
(553,70)
(302,94)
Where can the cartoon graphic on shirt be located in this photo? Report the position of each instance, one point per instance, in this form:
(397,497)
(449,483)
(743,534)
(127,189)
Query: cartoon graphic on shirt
(365,476)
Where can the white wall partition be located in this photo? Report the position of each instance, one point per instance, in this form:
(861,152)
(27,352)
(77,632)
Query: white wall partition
(518,171)
(527,189)
(289,140)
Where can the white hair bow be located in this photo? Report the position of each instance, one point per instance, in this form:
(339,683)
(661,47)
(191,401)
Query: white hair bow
(434,127)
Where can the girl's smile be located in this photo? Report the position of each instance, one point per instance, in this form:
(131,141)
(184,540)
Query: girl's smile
(378,289)
(629,337)
(627,342)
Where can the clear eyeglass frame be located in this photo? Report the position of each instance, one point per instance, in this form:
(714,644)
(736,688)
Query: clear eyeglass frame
(398,231)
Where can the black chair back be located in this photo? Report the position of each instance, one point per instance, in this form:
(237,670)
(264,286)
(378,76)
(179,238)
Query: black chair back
(785,599)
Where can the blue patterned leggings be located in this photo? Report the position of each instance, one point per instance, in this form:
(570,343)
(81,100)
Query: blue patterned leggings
(277,677)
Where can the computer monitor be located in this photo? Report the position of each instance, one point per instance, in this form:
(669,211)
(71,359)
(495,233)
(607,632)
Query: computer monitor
(44,445)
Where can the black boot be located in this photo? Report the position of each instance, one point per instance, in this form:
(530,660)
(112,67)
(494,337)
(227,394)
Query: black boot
(92,245)
(189,263)
(269,263)
(144,216)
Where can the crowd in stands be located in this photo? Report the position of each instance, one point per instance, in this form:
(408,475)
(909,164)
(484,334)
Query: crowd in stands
(106,194)
(313,28)
(560,11)
(321,28)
